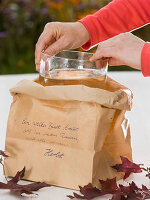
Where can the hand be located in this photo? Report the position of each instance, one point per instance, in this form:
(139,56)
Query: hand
(59,36)
(123,49)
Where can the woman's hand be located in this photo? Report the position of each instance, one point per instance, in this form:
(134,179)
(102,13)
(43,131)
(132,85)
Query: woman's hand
(123,49)
(59,36)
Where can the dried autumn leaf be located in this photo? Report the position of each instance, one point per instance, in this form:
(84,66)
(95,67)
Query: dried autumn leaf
(146,192)
(13,185)
(89,192)
(117,196)
(109,186)
(2,153)
(148,173)
(70,196)
(131,192)
(17,177)
(127,167)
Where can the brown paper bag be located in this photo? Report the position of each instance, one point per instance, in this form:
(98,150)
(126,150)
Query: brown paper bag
(68,135)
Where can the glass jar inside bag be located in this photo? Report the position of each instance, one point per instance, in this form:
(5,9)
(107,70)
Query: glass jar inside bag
(71,67)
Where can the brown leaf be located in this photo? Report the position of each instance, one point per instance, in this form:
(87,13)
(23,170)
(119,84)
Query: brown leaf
(127,167)
(13,185)
(4,186)
(148,173)
(131,192)
(2,153)
(146,192)
(109,186)
(35,186)
(117,196)
(18,177)
(88,192)
(70,197)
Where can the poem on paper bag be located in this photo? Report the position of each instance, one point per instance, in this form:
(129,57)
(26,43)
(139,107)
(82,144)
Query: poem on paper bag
(51,132)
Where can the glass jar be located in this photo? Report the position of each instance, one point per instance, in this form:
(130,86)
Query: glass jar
(71,68)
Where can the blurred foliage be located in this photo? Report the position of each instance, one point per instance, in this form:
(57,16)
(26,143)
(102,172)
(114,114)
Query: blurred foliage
(22,21)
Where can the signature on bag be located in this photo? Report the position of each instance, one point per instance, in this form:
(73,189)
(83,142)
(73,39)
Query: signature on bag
(50,153)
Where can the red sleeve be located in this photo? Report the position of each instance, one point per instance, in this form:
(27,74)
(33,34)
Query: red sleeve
(145,59)
(117,17)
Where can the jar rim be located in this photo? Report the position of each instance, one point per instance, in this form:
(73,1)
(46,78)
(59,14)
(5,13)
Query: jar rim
(70,51)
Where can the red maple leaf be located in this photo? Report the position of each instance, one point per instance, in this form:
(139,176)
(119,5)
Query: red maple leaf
(131,192)
(145,192)
(13,185)
(89,192)
(127,167)
(109,186)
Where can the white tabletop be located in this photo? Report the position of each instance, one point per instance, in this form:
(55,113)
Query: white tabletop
(139,120)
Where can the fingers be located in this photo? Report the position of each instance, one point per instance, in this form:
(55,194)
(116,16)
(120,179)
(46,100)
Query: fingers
(107,48)
(45,39)
(40,46)
(102,52)
(56,47)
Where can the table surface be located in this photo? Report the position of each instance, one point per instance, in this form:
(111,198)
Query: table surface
(139,120)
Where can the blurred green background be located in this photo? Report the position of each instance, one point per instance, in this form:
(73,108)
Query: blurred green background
(22,21)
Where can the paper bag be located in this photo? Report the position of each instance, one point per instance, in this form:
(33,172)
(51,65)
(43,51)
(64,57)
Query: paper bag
(68,135)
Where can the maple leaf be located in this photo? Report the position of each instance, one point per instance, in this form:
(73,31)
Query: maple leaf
(147,170)
(17,177)
(13,185)
(2,153)
(117,195)
(145,192)
(127,167)
(131,192)
(89,192)
(109,186)
(121,192)
(148,173)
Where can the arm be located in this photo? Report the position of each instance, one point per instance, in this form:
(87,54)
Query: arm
(145,59)
(117,17)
